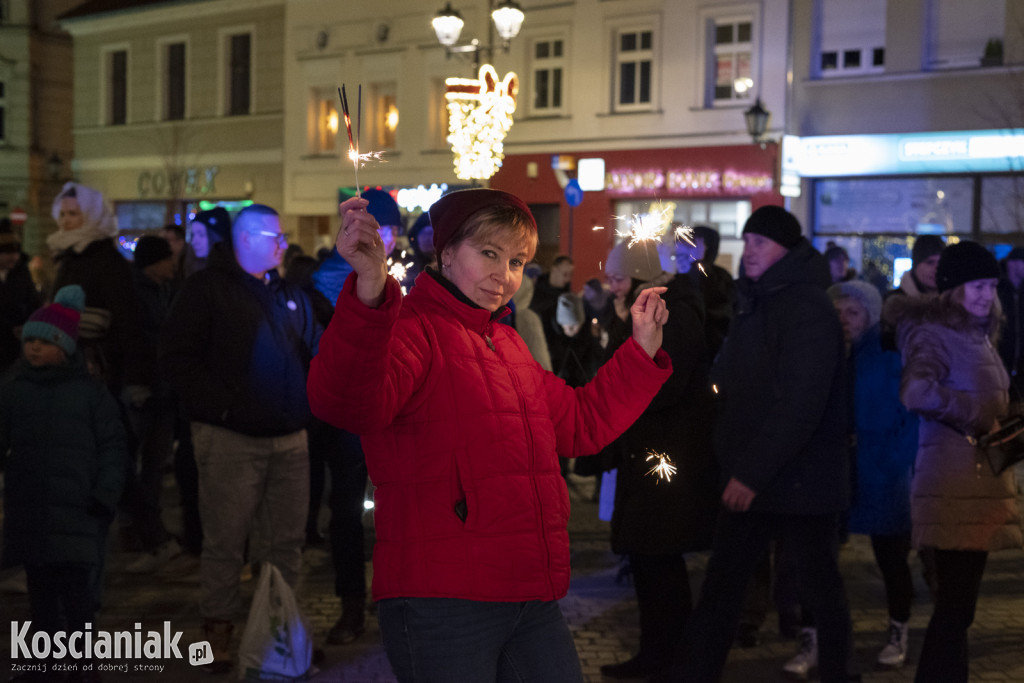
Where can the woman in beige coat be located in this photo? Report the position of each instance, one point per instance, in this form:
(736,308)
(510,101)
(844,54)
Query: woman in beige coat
(954,379)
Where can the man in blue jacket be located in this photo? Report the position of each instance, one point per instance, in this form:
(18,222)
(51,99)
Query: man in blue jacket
(236,348)
(781,442)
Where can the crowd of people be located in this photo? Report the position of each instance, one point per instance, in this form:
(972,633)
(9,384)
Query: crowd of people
(795,404)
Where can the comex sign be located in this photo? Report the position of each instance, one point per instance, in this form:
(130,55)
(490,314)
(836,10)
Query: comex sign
(190,181)
(78,650)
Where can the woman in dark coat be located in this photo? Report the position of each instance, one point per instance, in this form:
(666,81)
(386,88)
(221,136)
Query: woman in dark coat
(656,520)
(886,444)
(85,253)
(954,379)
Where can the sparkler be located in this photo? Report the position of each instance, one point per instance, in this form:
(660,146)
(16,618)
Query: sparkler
(663,468)
(354,155)
(353,143)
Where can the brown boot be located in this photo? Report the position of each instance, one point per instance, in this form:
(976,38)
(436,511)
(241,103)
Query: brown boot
(352,622)
(218,633)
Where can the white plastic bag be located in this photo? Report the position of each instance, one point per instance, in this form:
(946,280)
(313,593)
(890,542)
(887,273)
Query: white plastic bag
(276,644)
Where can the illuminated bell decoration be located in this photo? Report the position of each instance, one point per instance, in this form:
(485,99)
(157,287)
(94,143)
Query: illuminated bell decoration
(508,19)
(479,117)
(447,25)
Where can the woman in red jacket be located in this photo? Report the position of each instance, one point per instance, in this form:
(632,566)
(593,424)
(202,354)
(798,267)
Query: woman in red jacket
(462,431)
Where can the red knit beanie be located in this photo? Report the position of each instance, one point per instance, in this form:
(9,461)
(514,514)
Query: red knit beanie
(450,212)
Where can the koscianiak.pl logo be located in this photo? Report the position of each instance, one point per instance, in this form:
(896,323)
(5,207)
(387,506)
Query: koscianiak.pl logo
(89,650)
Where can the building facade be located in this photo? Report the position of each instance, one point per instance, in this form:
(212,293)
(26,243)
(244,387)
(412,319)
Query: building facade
(35,114)
(179,106)
(907,118)
(648,87)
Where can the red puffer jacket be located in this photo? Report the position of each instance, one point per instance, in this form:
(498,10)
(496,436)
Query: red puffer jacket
(452,408)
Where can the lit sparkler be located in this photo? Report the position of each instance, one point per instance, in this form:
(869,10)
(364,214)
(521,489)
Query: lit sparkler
(354,155)
(663,467)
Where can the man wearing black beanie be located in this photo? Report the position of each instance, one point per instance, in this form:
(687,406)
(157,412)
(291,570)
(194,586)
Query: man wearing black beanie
(781,442)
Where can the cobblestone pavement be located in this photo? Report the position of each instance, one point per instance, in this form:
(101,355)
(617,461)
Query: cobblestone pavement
(601,613)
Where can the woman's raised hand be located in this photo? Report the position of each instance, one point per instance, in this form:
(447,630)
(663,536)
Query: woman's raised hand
(359,243)
(649,316)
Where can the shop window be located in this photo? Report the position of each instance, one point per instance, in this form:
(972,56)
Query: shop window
(238,73)
(546,69)
(957,31)
(634,65)
(174,80)
(1002,204)
(852,38)
(902,206)
(729,60)
(116,87)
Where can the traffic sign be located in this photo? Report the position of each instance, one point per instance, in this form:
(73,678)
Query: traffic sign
(573,193)
(18,216)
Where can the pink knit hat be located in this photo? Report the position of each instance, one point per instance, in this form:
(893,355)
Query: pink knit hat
(58,322)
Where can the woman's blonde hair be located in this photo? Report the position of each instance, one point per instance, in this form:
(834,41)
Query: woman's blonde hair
(501,223)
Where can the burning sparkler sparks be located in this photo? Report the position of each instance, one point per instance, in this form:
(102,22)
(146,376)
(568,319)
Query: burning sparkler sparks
(399,270)
(663,467)
(650,230)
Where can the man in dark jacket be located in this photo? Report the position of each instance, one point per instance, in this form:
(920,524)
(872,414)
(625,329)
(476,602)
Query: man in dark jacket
(151,408)
(781,443)
(236,348)
(1011,338)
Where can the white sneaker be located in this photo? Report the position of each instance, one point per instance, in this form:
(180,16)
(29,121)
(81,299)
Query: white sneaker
(806,660)
(894,654)
(150,562)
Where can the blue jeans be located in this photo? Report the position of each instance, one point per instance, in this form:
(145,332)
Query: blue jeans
(440,640)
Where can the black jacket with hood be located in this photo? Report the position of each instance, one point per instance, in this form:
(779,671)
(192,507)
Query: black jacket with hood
(781,378)
(236,349)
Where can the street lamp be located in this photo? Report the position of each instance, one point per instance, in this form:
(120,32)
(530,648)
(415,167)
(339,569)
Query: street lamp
(757,118)
(507,17)
(55,167)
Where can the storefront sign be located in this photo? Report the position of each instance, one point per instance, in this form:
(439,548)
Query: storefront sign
(971,151)
(687,182)
(186,183)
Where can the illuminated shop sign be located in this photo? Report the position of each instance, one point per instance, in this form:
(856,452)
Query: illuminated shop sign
(970,151)
(686,182)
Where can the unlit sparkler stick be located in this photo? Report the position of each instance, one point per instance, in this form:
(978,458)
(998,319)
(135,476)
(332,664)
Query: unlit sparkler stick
(663,468)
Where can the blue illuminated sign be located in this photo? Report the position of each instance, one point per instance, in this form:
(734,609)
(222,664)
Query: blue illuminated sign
(973,151)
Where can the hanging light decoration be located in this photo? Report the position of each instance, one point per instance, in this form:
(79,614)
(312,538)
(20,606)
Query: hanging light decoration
(479,117)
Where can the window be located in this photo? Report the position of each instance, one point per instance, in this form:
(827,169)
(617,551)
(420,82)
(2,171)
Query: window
(959,31)
(324,121)
(547,70)
(383,118)
(438,115)
(731,50)
(633,64)
(852,38)
(3,111)
(239,74)
(174,81)
(117,88)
